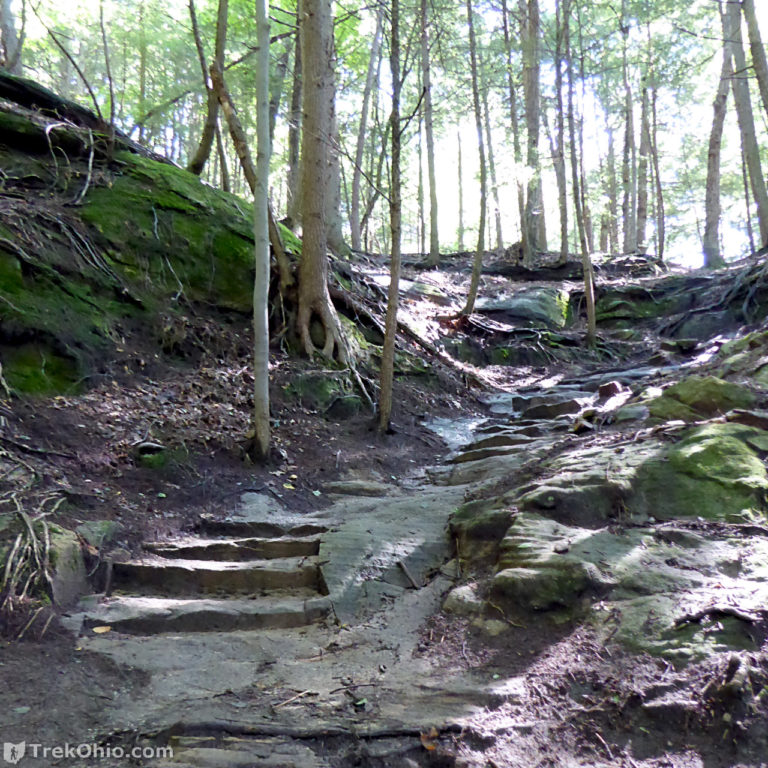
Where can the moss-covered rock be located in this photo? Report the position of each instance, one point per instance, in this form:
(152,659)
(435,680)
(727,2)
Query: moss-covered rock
(696,397)
(545,305)
(712,473)
(147,238)
(69,581)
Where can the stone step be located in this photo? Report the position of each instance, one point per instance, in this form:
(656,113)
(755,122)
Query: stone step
(171,577)
(248,548)
(156,615)
(256,529)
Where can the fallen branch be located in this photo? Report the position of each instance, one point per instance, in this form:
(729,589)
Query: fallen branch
(717,610)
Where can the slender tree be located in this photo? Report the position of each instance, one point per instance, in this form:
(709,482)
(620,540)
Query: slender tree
(390,333)
(426,74)
(11,41)
(477,265)
(743,103)
(357,170)
(589,287)
(756,47)
(534,228)
(711,241)
(294,133)
(513,114)
(261,239)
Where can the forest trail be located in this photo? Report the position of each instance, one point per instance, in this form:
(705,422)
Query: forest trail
(341,657)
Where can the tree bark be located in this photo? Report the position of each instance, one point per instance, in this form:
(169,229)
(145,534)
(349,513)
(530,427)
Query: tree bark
(558,155)
(492,173)
(203,152)
(294,134)
(513,114)
(756,47)
(276,89)
(711,241)
(11,42)
(370,80)
(316,31)
(461,193)
(477,265)
(434,238)
(642,171)
(661,224)
(534,230)
(261,240)
(743,102)
(390,327)
(589,287)
(629,164)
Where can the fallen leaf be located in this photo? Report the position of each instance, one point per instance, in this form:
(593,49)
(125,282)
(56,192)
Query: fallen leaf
(429,739)
(289,486)
(102,630)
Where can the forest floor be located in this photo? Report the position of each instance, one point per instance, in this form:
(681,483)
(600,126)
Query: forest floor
(340,693)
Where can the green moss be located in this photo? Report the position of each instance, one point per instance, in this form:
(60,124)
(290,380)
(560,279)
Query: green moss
(713,473)
(35,369)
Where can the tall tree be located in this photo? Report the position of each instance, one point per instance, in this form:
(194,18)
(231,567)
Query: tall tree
(477,264)
(513,114)
(642,171)
(357,170)
(589,287)
(629,164)
(756,47)
(426,74)
(558,153)
(316,30)
(11,41)
(534,234)
(294,132)
(261,239)
(711,242)
(743,102)
(390,333)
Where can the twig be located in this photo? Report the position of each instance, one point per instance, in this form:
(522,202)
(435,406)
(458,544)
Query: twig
(607,748)
(293,698)
(84,190)
(352,686)
(407,573)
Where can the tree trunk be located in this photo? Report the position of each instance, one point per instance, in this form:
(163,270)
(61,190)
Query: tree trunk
(335,236)
(759,61)
(293,205)
(226,183)
(261,240)
(589,287)
(613,195)
(642,171)
(316,31)
(513,114)
(357,170)
(743,101)
(629,165)
(11,42)
(276,90)
(534,231)
(492,172)
(558,154)
(477,265)
(390,327)
(711,242)
(661,224)
(203,152)
(434,239)
(461,193)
